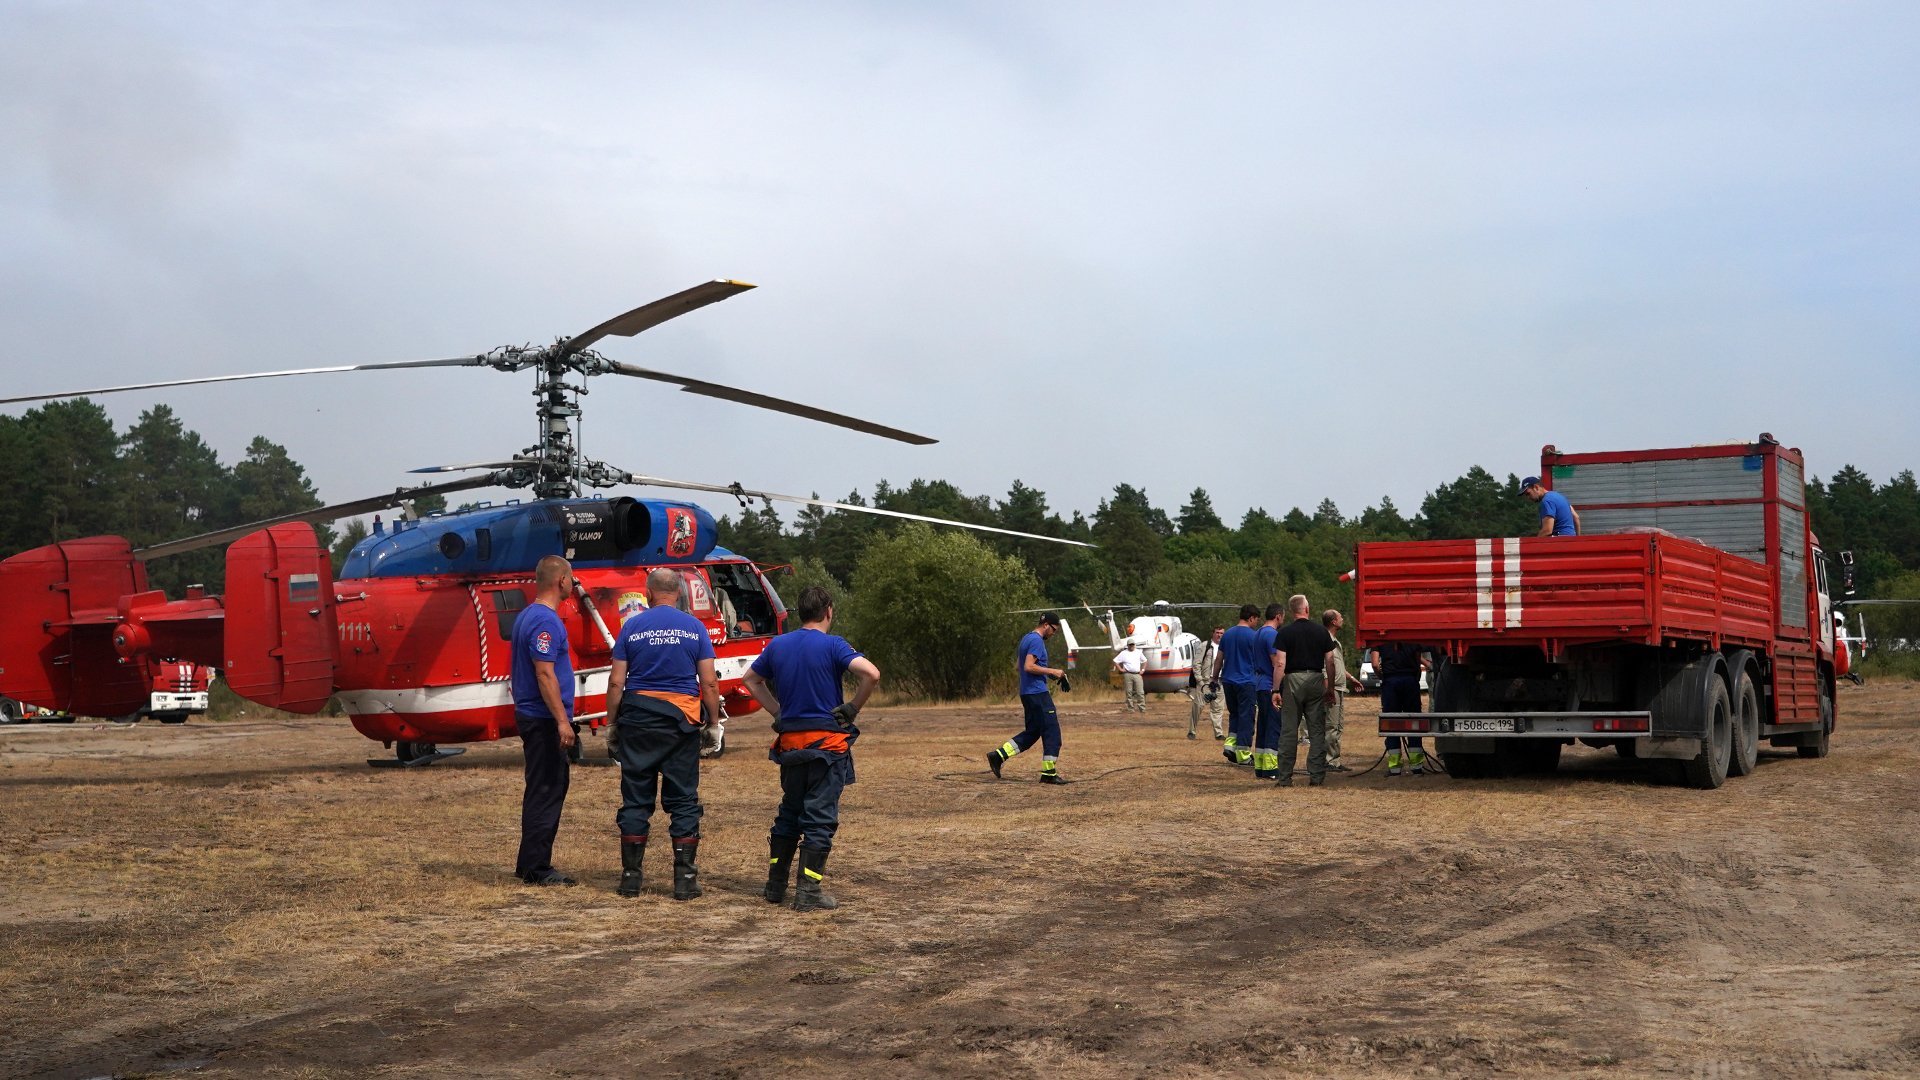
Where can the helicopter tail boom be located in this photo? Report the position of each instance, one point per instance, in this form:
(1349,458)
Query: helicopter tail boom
(83,633)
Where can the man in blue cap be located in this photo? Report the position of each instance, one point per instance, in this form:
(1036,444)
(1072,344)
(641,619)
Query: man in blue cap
(1557,516)
(1043,722)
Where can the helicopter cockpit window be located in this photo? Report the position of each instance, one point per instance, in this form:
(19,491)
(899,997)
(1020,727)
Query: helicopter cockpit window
(506,606)
(753,610)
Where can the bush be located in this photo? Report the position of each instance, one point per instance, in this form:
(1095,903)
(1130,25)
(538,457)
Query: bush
(934,612)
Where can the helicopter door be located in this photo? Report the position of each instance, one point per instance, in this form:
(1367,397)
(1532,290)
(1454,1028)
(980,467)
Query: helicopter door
(281,628)
(501,607)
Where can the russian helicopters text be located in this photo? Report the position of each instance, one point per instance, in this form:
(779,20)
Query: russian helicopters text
(413,636)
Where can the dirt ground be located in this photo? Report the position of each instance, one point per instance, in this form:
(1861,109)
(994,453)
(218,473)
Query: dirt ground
(251,898)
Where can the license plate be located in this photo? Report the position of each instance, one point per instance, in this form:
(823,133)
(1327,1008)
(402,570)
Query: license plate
(1483,723)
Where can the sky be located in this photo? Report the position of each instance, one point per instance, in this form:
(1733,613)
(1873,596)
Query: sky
(1283,251)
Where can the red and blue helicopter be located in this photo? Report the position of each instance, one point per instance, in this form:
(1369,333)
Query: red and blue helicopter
(411,639)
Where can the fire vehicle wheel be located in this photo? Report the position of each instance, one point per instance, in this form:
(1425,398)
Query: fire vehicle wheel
(409,752)
(1821,741)
(1745,700)
(1709,769)
(10,712)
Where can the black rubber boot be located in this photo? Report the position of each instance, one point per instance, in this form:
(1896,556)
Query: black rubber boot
(779,867)
(995,759)
(633,849)
(686,878)
(806,893)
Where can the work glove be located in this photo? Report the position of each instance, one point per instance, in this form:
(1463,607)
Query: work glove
(1065,686)
(843,714)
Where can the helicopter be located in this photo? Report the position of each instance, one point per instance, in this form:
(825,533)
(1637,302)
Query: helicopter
(1158,634)
(412,639)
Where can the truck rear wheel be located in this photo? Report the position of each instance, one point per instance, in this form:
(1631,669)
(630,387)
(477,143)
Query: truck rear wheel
(1709,769)
(1817,745)
(1745,700)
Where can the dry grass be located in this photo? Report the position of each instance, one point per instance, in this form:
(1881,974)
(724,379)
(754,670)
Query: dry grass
(250,898)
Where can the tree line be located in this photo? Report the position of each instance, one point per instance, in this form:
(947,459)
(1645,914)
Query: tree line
(1145,553)
(930,603)
(65,472)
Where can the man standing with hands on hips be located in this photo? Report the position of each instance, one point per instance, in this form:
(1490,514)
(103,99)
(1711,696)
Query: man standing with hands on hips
(1131,663)
(1043,722)
(662,693)
(797,680)
(542,684)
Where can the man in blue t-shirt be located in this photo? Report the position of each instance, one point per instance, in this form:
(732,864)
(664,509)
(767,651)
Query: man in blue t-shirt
(1557,515)
(542,687)
(796,678)
(1241,660)
(1266,726)
(1043,723)
(661,691)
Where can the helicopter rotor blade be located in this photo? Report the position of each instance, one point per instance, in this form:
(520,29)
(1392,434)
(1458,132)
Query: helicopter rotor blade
(472,465)
(648,316)
(774,404)
(318,513)
(463,361)
(739,492)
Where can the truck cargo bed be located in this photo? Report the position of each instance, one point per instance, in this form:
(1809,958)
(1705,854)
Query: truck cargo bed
(1641,586)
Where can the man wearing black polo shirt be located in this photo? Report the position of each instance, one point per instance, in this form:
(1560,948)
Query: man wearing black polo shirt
(1303,688)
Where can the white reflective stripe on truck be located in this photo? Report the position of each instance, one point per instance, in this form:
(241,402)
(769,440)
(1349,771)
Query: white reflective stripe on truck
(1512,546)
(1483,583)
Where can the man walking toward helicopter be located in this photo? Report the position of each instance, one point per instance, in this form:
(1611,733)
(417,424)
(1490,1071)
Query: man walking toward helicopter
(662,692)
(542,688)
(1043,721)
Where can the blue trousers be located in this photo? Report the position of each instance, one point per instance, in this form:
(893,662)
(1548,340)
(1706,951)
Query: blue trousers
(1240,713)
(1267,721)
(657,757)
(546,792)
(1401,693)
(810,803)
(1043,724)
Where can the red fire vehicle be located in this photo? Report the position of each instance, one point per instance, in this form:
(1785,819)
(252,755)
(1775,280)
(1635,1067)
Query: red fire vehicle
(179,691)
(1690,620)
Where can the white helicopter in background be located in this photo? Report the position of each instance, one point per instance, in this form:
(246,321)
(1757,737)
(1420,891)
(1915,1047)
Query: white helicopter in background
(1157,633)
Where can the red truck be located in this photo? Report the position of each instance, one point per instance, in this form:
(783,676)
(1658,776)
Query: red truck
(1689,621)
(179,691)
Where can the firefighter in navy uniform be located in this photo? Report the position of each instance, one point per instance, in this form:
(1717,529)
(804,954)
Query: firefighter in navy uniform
(797,679)
(1042,720)
(542,687)
(661,692)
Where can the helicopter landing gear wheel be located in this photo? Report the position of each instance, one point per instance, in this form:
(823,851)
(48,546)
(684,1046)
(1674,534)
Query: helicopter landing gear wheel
(413,755)
(410,752)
